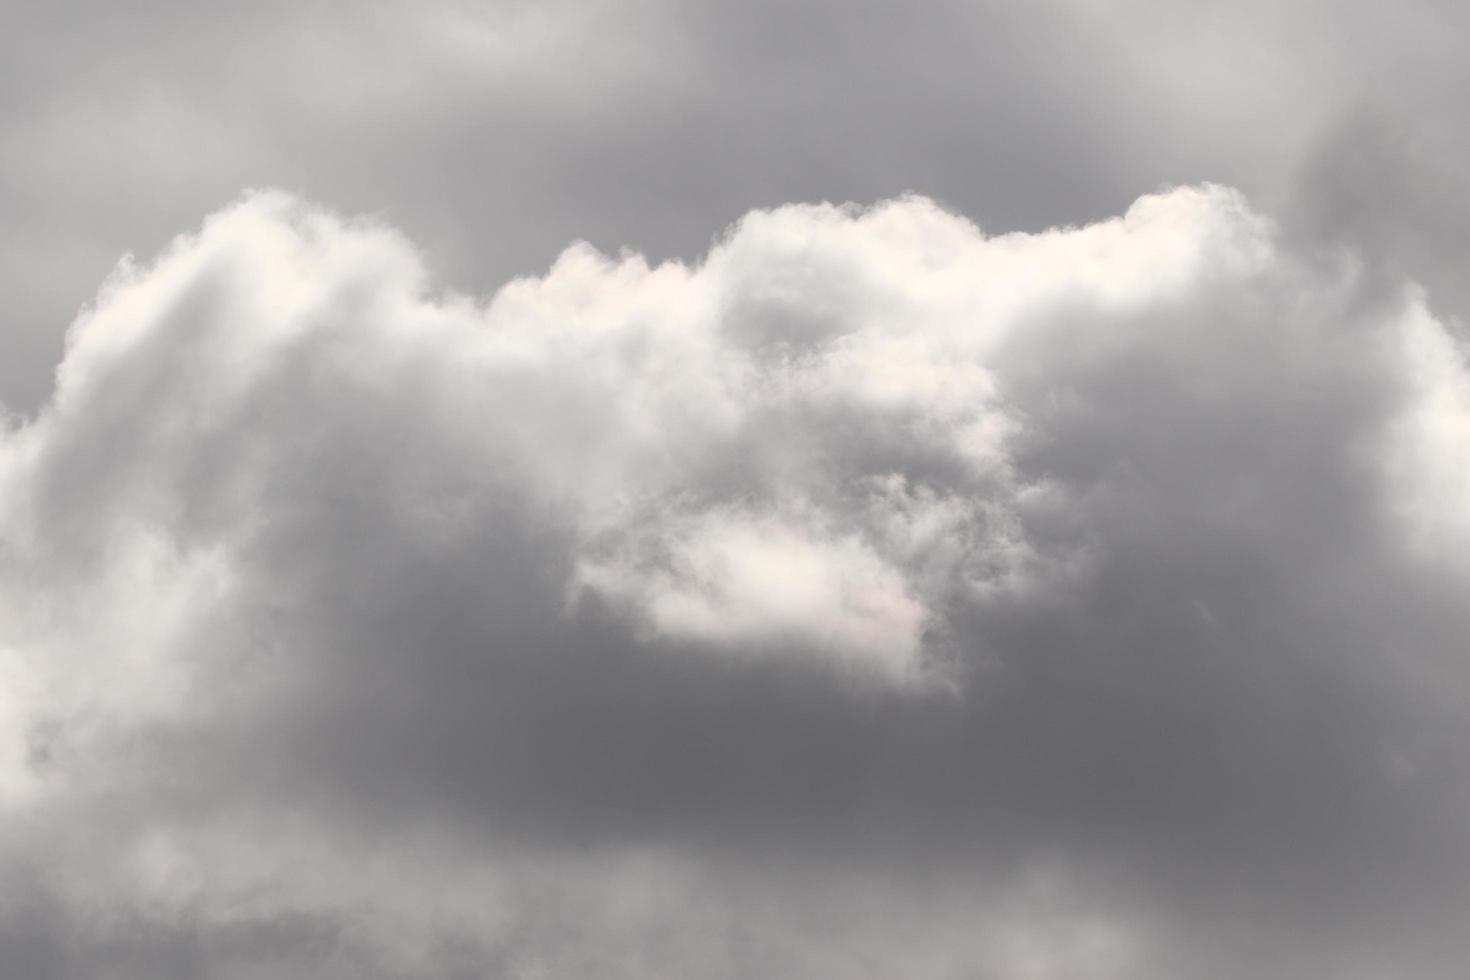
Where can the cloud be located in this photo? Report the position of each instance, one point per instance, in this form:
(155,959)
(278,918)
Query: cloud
(495,132)
(872,596)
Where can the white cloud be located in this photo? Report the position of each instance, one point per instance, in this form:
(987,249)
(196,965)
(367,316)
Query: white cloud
(291,502)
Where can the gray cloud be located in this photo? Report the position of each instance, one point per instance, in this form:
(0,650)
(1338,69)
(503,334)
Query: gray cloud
(870,597)
(867,597)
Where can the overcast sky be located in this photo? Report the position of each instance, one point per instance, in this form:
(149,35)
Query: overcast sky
(972,490)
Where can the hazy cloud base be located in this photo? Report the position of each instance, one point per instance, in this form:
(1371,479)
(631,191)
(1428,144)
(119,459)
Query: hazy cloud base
(870,598)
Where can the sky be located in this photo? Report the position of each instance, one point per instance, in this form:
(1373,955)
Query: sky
(973,491)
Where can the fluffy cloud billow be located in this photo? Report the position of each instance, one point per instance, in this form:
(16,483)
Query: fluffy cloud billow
(871,597)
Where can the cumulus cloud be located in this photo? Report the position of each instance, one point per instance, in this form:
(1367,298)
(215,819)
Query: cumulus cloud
(496,131)
(871,597)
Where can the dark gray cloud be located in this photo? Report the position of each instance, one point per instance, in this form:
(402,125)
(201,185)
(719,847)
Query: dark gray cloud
(870,597)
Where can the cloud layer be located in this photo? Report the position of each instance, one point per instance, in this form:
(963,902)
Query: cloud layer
(873,597)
